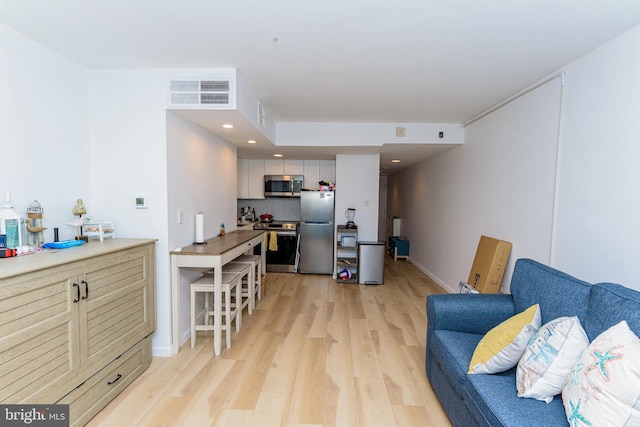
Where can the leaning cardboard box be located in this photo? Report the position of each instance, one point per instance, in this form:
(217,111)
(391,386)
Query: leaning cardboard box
(489,265)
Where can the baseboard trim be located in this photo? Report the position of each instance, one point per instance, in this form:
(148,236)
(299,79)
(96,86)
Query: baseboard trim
(433,277)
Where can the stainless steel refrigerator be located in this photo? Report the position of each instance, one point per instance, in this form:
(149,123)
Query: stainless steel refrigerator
(316,232)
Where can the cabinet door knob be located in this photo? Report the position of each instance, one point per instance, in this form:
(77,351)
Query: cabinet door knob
(78,289)
(86,289)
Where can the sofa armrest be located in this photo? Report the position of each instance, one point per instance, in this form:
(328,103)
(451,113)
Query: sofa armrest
(470,313)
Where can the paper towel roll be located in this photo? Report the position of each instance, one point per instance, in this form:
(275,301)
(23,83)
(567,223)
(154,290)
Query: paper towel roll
(199,228)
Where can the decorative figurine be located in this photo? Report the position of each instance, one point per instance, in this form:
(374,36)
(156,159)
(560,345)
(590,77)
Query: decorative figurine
(80,210)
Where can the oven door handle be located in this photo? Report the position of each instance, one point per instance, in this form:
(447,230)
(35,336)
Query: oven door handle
(285,233)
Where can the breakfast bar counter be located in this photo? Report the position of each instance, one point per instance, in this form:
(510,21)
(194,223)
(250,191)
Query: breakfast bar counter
(213,254)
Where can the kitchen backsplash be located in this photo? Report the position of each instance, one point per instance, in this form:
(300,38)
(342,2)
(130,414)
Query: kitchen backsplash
(282,208)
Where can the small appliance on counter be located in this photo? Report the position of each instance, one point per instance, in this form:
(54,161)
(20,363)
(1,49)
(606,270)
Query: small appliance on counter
(350,214)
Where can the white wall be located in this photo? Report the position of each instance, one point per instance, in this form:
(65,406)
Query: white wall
(128,158)
(43,131)
(101,135)
(138,148)
(365,134)
(201,178)
(357,187)
(501,181)
(598,234)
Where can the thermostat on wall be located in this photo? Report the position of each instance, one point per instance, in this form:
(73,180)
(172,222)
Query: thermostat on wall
(141,202)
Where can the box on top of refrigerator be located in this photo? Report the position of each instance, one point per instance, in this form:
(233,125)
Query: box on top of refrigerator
(489,265)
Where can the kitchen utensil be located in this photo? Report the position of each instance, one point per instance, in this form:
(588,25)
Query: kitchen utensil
(266,217)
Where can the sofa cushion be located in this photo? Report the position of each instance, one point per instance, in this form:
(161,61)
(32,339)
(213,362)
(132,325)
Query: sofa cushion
(493,399)
(558,293)
(610,304)
(452,352)
(501,347)
(549,358)
(603,387)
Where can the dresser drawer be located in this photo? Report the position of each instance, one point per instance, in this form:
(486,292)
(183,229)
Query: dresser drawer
(89,398)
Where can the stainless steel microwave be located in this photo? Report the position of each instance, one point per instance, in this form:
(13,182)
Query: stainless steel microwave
(283,185)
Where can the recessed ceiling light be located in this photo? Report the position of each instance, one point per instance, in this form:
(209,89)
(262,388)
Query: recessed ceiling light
(278,155)
(395,161)
(227,126)
(251,141)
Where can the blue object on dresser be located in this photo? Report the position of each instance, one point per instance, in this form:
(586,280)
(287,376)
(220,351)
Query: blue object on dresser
(457,322)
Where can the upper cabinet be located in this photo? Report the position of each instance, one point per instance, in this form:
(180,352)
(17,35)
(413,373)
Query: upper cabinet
(251,173)
(327,170)
(294,167)
(251,178)
(318,170)
(311,173)
(283,167)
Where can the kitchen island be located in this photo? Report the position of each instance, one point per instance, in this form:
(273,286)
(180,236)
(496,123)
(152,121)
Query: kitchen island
(213,254)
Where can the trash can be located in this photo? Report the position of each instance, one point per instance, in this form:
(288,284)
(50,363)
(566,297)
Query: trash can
(371,263)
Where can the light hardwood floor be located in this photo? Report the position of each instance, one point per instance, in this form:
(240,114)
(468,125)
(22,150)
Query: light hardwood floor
(314,353)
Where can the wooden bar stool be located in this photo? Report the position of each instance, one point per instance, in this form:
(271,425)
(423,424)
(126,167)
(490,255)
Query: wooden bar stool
(230,311)
(244,270)
(256,269)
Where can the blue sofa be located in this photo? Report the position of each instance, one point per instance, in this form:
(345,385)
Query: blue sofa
(457,322)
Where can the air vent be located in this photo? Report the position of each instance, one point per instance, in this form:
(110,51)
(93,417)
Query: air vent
(200,92)
(214,98)
(214,86)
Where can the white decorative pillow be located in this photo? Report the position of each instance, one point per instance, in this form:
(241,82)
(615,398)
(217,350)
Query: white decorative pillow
(501,347)
(549,358)
(604,387)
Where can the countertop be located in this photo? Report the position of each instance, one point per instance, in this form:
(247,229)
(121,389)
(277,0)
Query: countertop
(47,258)
(220,244)
(247,225)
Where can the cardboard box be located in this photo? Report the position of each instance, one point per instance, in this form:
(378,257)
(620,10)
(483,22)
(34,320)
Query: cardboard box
(489,265)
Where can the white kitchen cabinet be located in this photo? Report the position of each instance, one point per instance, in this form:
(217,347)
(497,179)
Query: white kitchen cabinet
(294,167)
(318,170)
(311,173)
(256,179)
(327,170)
(251,173)
(243,179)
(283,167)
(274,167)
(250,179)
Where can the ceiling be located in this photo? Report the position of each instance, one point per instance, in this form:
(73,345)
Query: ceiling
(365,61)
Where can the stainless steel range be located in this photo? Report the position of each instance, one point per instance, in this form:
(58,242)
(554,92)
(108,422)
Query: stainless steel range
(282,245)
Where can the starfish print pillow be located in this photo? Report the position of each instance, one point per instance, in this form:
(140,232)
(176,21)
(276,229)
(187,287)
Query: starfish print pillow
(603,389)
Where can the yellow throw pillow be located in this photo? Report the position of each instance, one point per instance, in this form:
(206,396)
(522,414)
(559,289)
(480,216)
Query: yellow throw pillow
(501,348)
